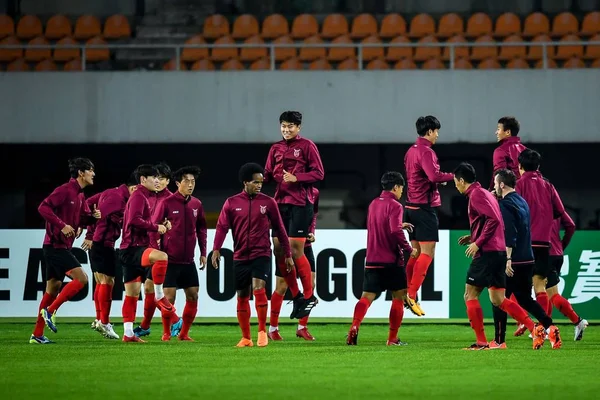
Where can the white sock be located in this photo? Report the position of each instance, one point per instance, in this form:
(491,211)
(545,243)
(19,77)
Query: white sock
(158,292)
(301,326)
(128,328)
(273,328)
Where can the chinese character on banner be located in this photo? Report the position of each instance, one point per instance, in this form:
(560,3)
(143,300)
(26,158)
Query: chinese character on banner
(587,286)
(564,271)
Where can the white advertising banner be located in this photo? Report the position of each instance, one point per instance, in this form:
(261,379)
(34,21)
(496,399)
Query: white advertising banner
(339,254)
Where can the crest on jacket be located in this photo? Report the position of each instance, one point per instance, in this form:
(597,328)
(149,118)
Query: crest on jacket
(195,211)
(296,152)
(263,209)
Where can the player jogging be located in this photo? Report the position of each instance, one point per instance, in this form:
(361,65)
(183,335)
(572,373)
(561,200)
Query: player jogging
(506,155)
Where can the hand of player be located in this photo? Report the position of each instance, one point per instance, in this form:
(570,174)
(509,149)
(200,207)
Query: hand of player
(202,263)
(414,253)
(408,227)
(289,264)
(96,213)
(216,257)
(311,238)
(162,229)
(86,245)
(472,250)
(464,240)
(68,231)
(289,178)
(167,224)
(509,271)
(79,232)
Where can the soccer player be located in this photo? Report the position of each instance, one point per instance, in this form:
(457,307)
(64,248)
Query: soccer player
(64,211)
(249,215)
(103,259)
(137,255)
(295,165)
(545,205)
(423,198)
(188,225)
(384,264)
(487,247)
(520,262)
(87,245)
(507,153)
(281,286)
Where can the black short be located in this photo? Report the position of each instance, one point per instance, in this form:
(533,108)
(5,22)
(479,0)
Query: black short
(379,280)
(310,255)
(103,259)
(522,279)
(425,222)
(131,260)
(556,263)
(296,219)
(181,276)
(246,270)
(58,262)
(488,270)
(542,261)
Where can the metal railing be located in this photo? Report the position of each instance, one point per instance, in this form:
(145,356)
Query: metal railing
(177,48)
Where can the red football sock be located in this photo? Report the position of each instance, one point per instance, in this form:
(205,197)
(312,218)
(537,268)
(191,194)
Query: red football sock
(303,267)
(105,298)
(396,315)
(421,267)
(261,303)
(564,307)
(410,268)
(475,314)
(514,310)
(243,315)
(129,308)
(165,317)
(303,321)
(542,298)
(159,271)
(174,316)
(39,323)
(67,292)
(149,309)
(360,310)
(276,302)
(97,301)
(290,277)
(189,313)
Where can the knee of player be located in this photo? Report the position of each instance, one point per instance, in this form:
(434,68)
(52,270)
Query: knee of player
(162,256)
(193,296)
(297,252)
(109,280)
(83,278)
(53,286)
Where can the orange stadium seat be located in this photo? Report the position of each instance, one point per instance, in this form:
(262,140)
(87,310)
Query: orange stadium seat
(536,24)
(589,26)
(291,64)
(371,53)
(459,52)
(565,23)
(479,24)
(321,64)
(481,52)
(507,24)
(363,25)
(73,65)
(489,63)
(398,53)
(567,51)
(378,64)
(203,65)
(334,25)
(393,25)
(574,63)
(194,54)
(425,53)
(261,65)
(171,65)
(596,64)
(283,53)
(224,53)
(433,63)
(592,52)
(462,63)
(10,54)
(274,26)
(517,63)
(348,64)
(253,53)
(7,26)
(28,27)
(63,55)
(312,53)
(245,26)
(405,63)
(421,25)
(36,55)
(536,52)
(232,65)
(87,27)
(341,53)
(450,25)
(510,52)
(46,66)
(215,26)
(18,65)
(96,55)
(117,27)
(304,26)
(58,27)
(551,64)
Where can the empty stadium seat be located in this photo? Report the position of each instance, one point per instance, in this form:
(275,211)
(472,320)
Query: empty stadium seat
(46,66)
(348,64)
(536,24)
(245,26)
(392,25)
(596,64)
(18,65)
(224,53)
(564,24)
(450,25)
(371,53)
(73,65)
(28,27)
(321,65)
(99,54)
(589,26)
(171,65)
(463,63)
(275,26)
(550,63)
(510,52)
(312,53)
(378,64)
(291,64)
(341,53)
(564,52)
(87,27)
(399,53)
(433,63)
(203,65)
(421,25)
(592,52)
(253,53)
(117,27)
(405,64)
(489,63)
(7,26)
(481,52)
(304,26)
(459,52)
(10,54)
(261,65)
(479,24)
(58,27)
(194,54)
(334,25)
(363,25)
(283,53)
(215,26)
(574,62)
(36,55)
(536,52)
(62,54)
(424,53)
(517,63)
(507,24)
(232,65)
